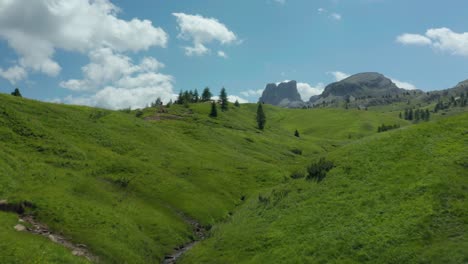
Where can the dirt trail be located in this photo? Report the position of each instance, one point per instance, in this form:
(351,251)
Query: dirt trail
(27,223)
(200,234)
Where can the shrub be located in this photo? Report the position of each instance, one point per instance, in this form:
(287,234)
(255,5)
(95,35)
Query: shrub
(296,151)
(139,113)
(297,175)
(123,182)
(318,170)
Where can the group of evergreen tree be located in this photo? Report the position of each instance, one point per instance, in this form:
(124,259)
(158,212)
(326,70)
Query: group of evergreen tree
(459,101)
(190,96)
(186,97)
(223,101)
(158,102)
(416,115)
(384,127)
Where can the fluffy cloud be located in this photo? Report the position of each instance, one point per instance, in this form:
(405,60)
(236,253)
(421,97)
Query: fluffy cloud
(251,92)
(202,31)
(222,54)
(107,67)
(339,75)
(306,90)
(153,86)
(232,99)
(413,39)
(404,85)
(36,29)
(126,84)
(443,39)
(13,74)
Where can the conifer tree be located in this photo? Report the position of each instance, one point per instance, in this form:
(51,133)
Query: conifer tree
(214,110)
(261,118)
(196,97)
(236,103)
(410,114)
(224,100)
(428,115)
(206,95)
(296,133)
(180,98)
(16,92)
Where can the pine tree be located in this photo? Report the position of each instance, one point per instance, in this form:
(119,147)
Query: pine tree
(16,92)
(417,115)
(261,118)
(400,115)
(410,114)
(236,103)
(206,95)
(214,110)
(196,98)
(224,100)
(169,103)
(428,115)
(180,98)
(296,133)
(406,114)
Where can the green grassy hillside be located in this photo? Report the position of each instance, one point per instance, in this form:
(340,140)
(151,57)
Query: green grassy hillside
(119,183)
(397,197)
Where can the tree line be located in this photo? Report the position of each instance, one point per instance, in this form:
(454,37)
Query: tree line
(416,115)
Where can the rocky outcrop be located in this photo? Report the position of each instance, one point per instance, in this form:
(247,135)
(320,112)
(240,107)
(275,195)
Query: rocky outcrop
(284,94)
(363,84)
(372,87)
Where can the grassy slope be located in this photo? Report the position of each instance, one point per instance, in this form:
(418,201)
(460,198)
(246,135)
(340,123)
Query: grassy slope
(66,160)
(397,197)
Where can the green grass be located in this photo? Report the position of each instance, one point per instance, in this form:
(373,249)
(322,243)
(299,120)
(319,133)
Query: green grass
(397,197)
(70,162)
(22,248)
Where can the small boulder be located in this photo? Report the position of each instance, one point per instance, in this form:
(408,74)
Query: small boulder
(20,227)
(53,238)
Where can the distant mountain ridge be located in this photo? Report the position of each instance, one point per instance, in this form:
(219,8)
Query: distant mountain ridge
(360,90)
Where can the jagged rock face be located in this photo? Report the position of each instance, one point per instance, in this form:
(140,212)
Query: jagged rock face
(276,94)
(363,84)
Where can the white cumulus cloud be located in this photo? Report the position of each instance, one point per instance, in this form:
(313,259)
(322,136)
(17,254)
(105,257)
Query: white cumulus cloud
(222,54)
(404,85)
(306,90)
(36,29)
(124,83)
(13,74)
(413,39)
(202,31)
(339,75)
(232,99)
(443,39)
(251,92)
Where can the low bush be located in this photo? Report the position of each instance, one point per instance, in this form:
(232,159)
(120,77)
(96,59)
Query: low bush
(318,170)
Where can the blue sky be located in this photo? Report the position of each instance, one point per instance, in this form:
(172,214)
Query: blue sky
(120,53)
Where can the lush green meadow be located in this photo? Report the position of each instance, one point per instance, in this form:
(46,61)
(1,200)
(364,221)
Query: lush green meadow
(118,183)
(396,197)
